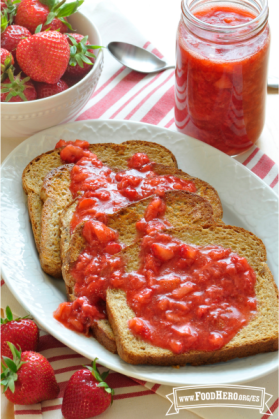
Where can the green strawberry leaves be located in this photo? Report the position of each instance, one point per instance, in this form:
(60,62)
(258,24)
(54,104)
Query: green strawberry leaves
(101,378)
(15,88)
(60,10)
(9,314)
(79,51)
(7,15)
(10,369)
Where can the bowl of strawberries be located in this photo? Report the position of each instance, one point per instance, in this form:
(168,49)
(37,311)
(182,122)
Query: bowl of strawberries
(51,61)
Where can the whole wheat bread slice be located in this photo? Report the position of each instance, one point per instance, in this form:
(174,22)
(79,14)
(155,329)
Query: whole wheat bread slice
(182,208)
(111,154)
(55,197)
(44,166)
(261,333)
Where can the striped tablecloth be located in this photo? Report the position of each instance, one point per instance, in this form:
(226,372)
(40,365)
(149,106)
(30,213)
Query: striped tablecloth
(125,94)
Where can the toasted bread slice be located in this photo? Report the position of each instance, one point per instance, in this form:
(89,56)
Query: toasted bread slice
(182,208)
(56,196)
(261,333)
(42,176)
(112,154)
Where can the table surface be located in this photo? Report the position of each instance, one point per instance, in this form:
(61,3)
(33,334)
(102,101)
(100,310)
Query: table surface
(152,18)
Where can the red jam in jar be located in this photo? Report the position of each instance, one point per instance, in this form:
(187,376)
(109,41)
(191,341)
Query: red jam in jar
(221,73)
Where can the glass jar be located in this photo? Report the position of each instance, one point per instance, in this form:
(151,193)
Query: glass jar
(221,72)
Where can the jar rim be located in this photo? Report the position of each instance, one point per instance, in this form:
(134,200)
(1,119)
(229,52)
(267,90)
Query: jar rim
(259,20)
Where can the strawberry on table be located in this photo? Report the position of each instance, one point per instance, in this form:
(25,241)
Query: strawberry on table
(11,37)
(22,332)
(17,89)
(28,378)
(82,55)
(44,56)
(49,13)
(87,394)
(46,90)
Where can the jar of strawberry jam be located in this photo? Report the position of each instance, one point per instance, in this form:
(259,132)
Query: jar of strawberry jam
(221,72)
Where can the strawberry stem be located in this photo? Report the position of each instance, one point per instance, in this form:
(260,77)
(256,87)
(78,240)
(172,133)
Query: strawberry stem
(10,368)
(16,87)
(101,377)
(9,317)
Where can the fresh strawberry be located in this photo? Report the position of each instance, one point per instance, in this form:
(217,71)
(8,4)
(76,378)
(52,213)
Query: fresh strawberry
(8,12)
(28,378)
(17,89)
(44,56)
(7,62)
(11,37)
(49,13)
(46,90)
(82,57)
(3,56)
(87,394)
(71,81)
(22,332)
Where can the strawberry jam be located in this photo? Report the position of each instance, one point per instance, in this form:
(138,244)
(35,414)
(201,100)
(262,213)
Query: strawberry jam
(101,191)
(221,74)
(188,297)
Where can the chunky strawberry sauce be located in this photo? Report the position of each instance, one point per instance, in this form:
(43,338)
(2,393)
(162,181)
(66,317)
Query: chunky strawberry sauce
(188,297)
(221,79)
(101,191)
(185,297)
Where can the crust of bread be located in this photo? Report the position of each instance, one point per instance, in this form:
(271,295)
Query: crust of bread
(260,335)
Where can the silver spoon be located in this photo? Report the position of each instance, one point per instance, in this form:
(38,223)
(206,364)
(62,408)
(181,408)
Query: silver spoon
(139,59)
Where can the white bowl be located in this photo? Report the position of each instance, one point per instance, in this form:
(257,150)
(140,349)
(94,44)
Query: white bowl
(21,119)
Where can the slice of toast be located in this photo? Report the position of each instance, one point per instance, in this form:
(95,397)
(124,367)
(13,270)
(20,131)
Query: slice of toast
(112,154)
(181,208)
(56,196)
(261,333)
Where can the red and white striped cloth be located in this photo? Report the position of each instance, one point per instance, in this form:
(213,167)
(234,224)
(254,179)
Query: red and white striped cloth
(125,94)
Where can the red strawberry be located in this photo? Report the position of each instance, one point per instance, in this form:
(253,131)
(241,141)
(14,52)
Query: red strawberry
(4,54)
(28,378)
(44,56)
(82,57)
(11,37)
(22,332)
(46,90)
(17,89)
(8,11)
(86,394)
(49,13)
(7,62)
(71,81)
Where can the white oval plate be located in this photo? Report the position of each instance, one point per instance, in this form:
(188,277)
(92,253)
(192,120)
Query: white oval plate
(247,201)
